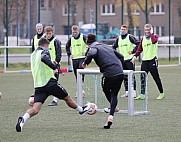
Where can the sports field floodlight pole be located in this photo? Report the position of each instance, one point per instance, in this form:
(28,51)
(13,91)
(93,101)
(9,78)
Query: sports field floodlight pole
(169,3)
(7,23)
(96,16)
(68,28)
(38,11)
(122,12)
(146,11)
(17,27)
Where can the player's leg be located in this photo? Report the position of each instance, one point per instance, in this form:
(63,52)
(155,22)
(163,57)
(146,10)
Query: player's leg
(115,87)
(144,67)
(125,80)
(128,66)
(39,99)
(107,91)
(106,88)
(81,60)
(131,66)
(75,64)
(55,100)
(58,91)
(156,77)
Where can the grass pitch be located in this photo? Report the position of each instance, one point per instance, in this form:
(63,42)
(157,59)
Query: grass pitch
(63,124)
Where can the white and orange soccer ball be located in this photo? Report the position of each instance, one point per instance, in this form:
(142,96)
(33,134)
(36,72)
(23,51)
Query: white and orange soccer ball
(31,101)
(93,109)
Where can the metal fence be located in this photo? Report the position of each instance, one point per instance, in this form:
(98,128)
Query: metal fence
(167,51)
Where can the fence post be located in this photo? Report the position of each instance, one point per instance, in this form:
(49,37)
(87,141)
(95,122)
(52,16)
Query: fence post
(130,95)
(79,88)
(179,55)
(4,58)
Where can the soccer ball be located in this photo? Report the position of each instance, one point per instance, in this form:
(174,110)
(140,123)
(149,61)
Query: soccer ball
(31,101)
(93,109)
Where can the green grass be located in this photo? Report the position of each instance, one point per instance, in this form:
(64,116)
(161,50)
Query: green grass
(17,51)
(63,124)
(26,66)
(22,51)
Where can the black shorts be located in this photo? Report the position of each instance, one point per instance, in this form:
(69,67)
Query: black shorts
(56,90)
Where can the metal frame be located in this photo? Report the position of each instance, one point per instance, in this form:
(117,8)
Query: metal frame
(130,74)
(63,46)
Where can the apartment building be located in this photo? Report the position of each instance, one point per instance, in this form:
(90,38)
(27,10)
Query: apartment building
(109,12)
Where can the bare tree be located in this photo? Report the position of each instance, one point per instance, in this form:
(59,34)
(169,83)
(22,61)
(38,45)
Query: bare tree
(12,10)
(137,5)
(129,11)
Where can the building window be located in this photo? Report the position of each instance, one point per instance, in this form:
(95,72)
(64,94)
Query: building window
(134,10)
(65,10)
(158,9)
(108,9)
(42,4)
(50,3)
(160,30)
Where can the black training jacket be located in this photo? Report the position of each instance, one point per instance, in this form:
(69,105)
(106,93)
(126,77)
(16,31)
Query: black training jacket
(107,58)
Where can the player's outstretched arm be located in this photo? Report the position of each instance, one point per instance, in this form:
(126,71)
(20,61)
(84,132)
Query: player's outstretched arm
(45,58)
(90,55)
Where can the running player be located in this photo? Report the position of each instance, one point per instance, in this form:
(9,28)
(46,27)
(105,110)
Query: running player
(45,84)
(109,62)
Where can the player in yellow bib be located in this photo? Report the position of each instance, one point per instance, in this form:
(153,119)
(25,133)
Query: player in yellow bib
(40,33)
(55,54)
(125,44)
(149,47)
(46,84)
(76,48)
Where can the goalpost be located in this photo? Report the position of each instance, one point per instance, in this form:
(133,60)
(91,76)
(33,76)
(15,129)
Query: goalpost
(94,93)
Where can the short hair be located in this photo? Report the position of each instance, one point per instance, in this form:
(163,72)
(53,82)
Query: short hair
(124,26)
(43,41)
(91,38)
(39,25)
(148,25)
(75,27)
(48,29)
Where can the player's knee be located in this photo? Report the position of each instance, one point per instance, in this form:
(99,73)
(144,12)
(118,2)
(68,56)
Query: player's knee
(35,111)
(67,98)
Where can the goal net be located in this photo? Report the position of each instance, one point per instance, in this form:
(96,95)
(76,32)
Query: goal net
(93,90)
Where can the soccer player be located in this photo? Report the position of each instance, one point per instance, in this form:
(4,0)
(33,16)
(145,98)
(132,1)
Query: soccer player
(125,44)
(76,48)
(45,84)
(109,62)
(149,47)
(40,33)
(55,54)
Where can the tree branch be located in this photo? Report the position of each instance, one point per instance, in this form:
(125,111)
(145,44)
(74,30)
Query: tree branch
(140,6)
